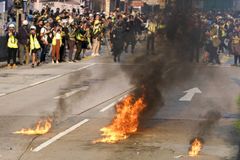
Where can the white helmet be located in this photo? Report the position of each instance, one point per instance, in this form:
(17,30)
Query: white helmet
(33,27)
(11,26)
(25,22)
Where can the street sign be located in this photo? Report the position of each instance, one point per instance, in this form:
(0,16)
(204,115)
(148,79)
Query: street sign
(137,4)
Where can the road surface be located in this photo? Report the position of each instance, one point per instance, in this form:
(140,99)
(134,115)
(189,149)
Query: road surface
(90,88)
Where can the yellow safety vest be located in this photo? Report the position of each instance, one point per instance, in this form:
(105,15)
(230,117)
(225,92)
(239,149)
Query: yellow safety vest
(54,40)
(162,26)
(34,44)
(80,37)
(152,27)
(12,42)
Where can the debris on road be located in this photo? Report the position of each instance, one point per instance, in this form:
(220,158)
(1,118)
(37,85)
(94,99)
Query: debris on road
(179,156)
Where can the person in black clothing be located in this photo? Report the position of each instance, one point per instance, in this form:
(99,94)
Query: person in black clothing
(117,41)
(64,40)
(195,39)
(23,42)
(129,36)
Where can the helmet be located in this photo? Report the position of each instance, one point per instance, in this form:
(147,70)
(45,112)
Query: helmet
(11,26)
(25,22)
(33,28)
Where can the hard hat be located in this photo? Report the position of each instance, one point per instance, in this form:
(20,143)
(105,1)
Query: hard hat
(58,18)
(33,27)
(11,26)
(25,22)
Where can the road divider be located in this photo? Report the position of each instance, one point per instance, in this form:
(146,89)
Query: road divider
(58,136)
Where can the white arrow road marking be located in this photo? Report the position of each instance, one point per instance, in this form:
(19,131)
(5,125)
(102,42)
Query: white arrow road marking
(66,95)
(58,136)
(190,94)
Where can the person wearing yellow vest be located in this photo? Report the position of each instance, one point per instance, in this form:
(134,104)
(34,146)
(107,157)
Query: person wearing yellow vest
(96,37)
(34,46)
(12,45)
(151,30)
(236,48)
(56,44)
(79,41)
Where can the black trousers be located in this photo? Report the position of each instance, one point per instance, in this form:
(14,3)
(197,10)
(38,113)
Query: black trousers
(43,53)
(150,43)
(214,56)
(194,53)
(79,50)
(12,54)
(236,59)
(133,43)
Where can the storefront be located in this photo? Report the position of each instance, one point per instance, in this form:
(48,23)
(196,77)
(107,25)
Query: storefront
(218,4)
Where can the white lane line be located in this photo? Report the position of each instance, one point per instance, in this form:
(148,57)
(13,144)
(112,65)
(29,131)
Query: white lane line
(81,68)
(112,104)
(58,136)
(107,107)
(43,81)
(2,94)
(68,94)
(61,75)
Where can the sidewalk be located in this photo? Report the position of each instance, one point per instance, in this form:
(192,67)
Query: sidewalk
(3,64)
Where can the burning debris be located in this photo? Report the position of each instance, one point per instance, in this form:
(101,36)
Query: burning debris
(204,128)
(42,127)
(125,122)
(195,148)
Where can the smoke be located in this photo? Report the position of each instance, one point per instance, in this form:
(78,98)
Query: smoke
(168,67)
(204,127)
(64,104)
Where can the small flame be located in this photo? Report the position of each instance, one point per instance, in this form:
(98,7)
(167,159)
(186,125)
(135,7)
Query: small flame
(42,127)
(125,122)
(195,147)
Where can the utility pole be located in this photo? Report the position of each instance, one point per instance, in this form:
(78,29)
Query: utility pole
(107,7)
(126,6)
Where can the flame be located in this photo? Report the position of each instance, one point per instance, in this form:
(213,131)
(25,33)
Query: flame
(125,122)
(42,127)
(195,148)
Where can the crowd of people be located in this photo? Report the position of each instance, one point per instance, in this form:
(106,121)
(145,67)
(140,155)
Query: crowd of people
(54,33)
(221,35)
(208,35)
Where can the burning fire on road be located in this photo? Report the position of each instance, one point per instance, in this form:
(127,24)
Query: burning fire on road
(42,127)
(125,122)
(195,148)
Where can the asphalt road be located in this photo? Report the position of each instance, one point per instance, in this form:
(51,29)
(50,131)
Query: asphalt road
(90,88)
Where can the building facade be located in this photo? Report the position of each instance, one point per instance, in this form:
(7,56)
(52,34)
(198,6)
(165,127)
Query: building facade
(209,4)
